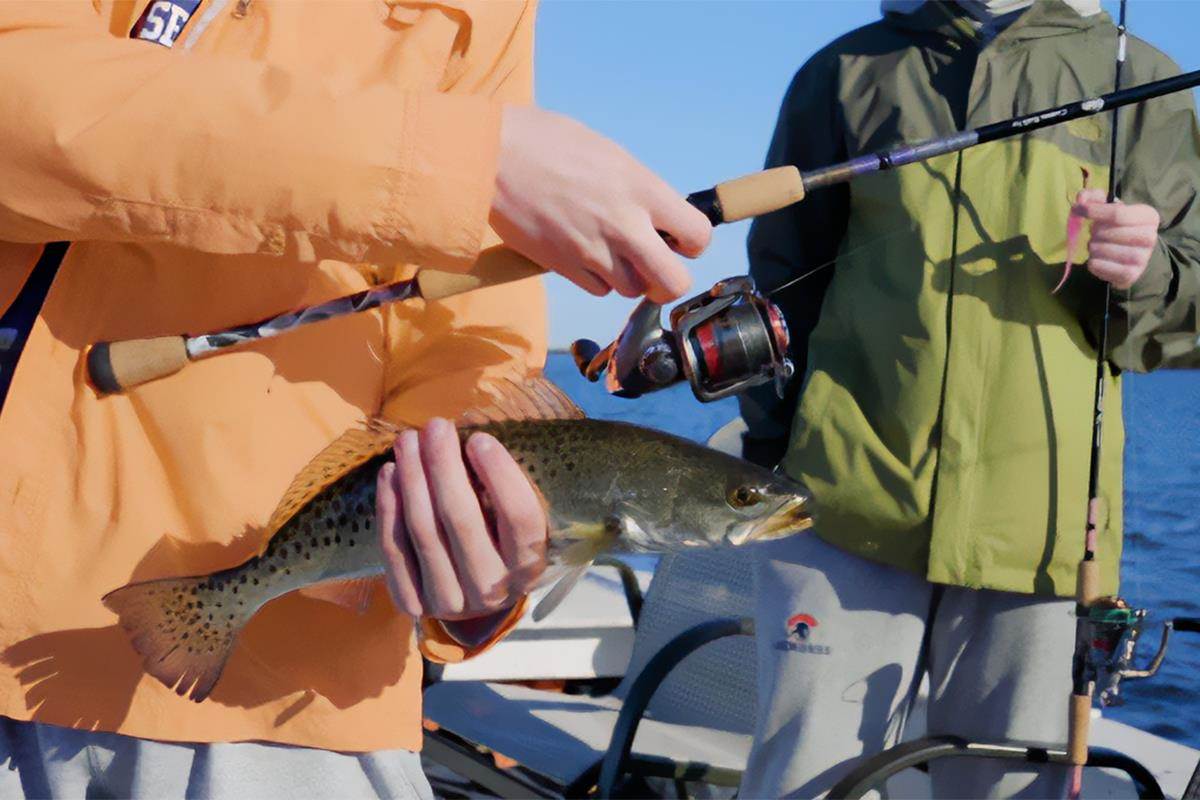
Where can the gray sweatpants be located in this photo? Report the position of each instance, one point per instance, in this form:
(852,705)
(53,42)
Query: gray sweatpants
(842,645)
(40,761)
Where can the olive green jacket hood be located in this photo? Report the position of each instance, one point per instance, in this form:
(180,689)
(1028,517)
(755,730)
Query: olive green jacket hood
(944,422)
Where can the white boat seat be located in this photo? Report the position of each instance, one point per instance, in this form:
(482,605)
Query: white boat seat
(701,714)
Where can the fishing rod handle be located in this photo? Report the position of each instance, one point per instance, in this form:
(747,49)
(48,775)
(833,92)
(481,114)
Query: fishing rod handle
(1079,721)
(733,200)
(116,366)
(750,195)
(1087,588)
(495,265)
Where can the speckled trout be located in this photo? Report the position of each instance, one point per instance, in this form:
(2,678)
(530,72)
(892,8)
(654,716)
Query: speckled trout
(607,487)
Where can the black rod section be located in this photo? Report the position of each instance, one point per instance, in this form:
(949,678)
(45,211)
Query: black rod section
(928,148)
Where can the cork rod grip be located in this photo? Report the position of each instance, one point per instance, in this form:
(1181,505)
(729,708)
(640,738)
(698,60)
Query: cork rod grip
(495,266)
(117,366)
(759,193)
(1079,720)
(1087,590)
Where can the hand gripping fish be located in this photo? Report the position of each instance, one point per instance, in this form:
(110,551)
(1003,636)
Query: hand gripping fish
(607,487)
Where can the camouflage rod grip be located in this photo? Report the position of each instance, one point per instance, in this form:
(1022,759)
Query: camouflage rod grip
(117,366)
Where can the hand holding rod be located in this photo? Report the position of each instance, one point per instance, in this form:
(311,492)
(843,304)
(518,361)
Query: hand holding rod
(116,366)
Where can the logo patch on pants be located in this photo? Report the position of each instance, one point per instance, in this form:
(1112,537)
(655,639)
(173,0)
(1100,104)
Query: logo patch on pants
(800,629)
(163,21)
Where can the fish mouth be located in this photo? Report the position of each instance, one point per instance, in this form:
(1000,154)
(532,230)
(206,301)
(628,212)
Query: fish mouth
(791,517)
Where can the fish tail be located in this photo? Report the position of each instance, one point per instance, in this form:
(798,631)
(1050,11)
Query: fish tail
(182,632)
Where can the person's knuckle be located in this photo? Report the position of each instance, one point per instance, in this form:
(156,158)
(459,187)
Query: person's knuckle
(526,525)
(594,256)
(703,233)
(522,582)
(460,518)
(474,596)
(423,537)
(392,552)
(439,451)
(625,287)
(448,602)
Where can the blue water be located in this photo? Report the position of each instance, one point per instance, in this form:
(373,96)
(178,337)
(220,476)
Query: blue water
(1161,568)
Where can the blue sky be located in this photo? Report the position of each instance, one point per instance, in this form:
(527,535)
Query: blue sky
(692,87)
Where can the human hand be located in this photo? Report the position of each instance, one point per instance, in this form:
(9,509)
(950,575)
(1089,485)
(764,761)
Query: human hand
(578,204)
(1123,237)
(443,560)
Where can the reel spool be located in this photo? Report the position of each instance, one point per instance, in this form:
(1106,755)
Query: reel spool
(722,342)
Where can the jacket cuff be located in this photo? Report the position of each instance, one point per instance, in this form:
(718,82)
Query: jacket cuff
(441,194)
(440,646)
(1155,282)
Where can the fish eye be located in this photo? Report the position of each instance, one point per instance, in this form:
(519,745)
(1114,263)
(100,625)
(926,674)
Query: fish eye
(744,496)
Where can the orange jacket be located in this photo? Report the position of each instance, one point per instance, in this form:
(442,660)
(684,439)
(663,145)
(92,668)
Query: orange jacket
(278,154)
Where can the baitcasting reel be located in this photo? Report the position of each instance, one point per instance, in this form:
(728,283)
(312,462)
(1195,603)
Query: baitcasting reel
(721,342)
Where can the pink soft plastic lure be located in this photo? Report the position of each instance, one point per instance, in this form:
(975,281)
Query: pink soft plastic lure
(1074,226)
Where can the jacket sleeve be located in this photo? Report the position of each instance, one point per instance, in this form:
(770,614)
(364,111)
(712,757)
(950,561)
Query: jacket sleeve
(1157,323)
(107,138)
(788,243)
(440,641)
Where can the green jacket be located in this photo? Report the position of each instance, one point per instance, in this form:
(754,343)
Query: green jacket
(944,423)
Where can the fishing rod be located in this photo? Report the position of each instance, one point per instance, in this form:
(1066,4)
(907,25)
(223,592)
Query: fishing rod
(1091,610)
(734,337)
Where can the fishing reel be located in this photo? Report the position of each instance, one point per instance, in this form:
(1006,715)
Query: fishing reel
(1113,629)
(722,342)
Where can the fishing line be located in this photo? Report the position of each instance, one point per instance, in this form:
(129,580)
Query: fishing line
(832,261)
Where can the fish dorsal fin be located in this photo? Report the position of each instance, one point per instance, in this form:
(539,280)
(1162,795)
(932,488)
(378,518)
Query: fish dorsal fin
(528,397)
(353,448)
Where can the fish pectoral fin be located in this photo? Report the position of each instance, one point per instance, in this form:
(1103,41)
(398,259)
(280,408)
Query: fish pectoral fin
(588,539)
(586,542)
(591,539)
(354,594)
(559,591)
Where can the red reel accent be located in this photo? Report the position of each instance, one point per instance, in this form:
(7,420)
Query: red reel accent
(778,325)
(709,350)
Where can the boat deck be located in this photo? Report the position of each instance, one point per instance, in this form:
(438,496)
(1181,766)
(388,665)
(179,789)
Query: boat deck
(591,637)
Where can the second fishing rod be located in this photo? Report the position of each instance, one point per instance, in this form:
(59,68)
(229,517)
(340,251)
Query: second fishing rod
(750,346)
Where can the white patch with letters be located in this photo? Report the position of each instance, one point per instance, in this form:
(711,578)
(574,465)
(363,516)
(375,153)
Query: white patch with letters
(163,21)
